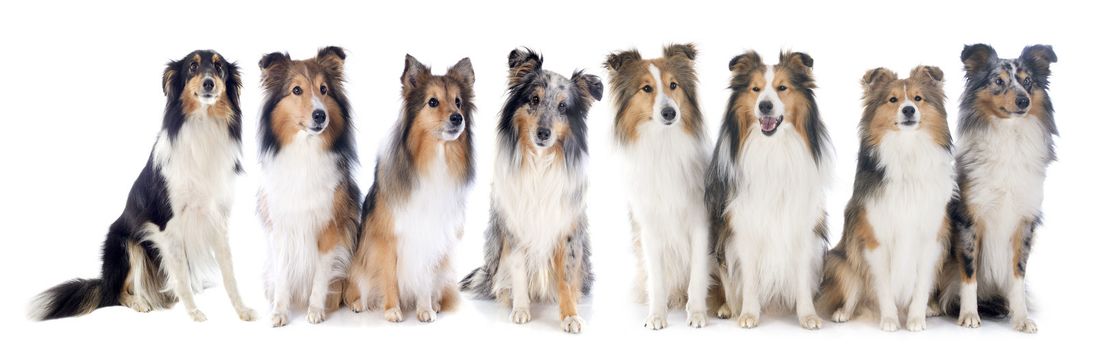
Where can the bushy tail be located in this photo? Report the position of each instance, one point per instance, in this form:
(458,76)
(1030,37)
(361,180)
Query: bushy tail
(831,294)
(73,298)
(479,282)
(993,307)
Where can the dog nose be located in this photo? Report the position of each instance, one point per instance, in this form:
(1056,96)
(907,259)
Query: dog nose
(319,116)
(766,107)
(908,111)
(668,113)
(208,85)
(1022,102)
(455,119)
(543,134)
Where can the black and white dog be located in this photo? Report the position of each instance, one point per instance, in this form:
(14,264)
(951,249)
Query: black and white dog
(174,228)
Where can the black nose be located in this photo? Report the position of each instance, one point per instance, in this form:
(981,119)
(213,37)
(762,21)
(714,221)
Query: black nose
(1022,102)
(543,134)
(455,119)
(668,113)
(766,107)
(208,85)
(908,111)
(319,116)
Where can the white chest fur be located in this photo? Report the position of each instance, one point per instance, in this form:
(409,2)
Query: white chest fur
(540,202)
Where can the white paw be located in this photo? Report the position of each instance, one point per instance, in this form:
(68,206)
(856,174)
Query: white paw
(842,315)
(197,315)
(520,315)
(357,306)
(656,322)
(1024,325)
(747,320)
(890,324)
(393,315)
(316,315)
(933,311)
(810,322)
(969,320)
(427,315)
(138,303)
(279,319)
(246,314)
(916,324)
(697,319)
(725,312)
(572,324)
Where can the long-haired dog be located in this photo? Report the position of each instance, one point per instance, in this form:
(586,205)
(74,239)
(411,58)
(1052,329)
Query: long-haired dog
(1004,148)
(895,229)
(174,227)
(309,202)
(537,242)
(765,190)
(413,215)
(660,131)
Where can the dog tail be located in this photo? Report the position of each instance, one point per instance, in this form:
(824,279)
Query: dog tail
(81,296)
(480,281)
(832,284)
(995,307)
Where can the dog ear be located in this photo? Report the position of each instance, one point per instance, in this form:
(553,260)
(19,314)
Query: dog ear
(170,75)
(463,72)
(1038,58)
(745,62)
(332,58)
(618,60)
(589,84)
(976,57)
(414,73)
(877,77)
(682,50)
(799,61)
(927,74)
(522,62)
(272,60)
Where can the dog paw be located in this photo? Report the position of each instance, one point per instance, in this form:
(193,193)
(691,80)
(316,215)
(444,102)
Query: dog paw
(1024,325)
(197,315)
(139,304)
(246,314)
(656,322)
(933,310)
(572,324)
(725,312)
(747,320)
(969,320)
(697,319)
(279,319)
(890,324)
(427,315)
(916,324)
(841,315)
(357,307)
(393,315)
(520,315)
(810,322)
(316,315)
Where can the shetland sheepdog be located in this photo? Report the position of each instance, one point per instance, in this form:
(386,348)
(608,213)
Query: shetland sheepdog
(413,215)
(660,131)
(308,201)
(537,242)
(174,228)
(765,190)
(895,228)
(1004,147)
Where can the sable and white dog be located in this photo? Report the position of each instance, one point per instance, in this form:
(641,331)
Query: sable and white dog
(660,131)
(413,215)
(765,190)
(1004,148)
(537,244)
(895,229)
(174,229)
(309,202)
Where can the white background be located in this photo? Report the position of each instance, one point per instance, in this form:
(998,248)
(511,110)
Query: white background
(82,103)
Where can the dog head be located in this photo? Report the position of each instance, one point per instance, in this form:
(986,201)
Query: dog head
(545,111)
(203,82)
(660,90)
(768,95)
(437,107)
(1008,88)
(894,105)
(304,97)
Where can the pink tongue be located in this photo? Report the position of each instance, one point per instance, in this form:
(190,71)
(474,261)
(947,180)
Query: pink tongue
(768,123)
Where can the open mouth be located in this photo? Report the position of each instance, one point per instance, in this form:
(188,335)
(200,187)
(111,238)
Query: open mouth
(769,124)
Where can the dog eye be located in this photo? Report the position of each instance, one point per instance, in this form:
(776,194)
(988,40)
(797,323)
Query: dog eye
(433,103)
(1027,81)
(323,89)
(561,106)
(782,87)
(535,101)
(193,67)
(998,81)
(296,90)
(672,86)
(918,98)
(647,89)
(459,103)
(220,70)
(892,100)
(756,88)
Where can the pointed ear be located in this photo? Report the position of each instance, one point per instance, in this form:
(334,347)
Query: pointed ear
(745,62)
(797,60)
(681,50)
(927,74)
(332,58)
(877,77)
(976,57)
(620,59)
(170,74)
(1038,58)
(414,73)
(589,84)
(522,62)
(463,72)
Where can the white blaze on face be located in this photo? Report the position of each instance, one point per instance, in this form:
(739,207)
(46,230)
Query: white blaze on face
(769,121)
(901,118)
(317,105)
(662,100)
